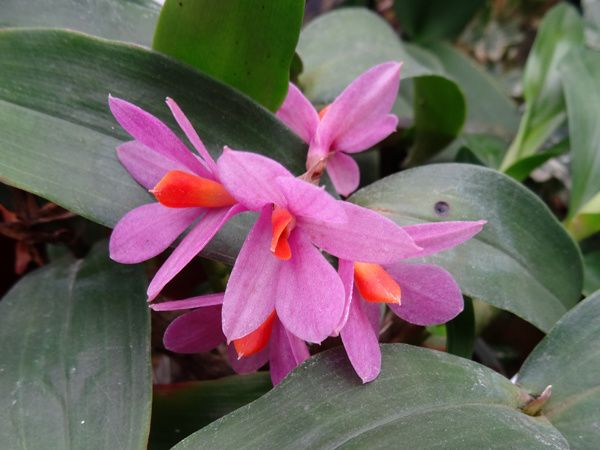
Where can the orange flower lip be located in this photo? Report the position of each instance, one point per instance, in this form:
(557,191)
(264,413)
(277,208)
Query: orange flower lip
(178,189)
(283,224)
(257,340)
(324,111)
(375,284)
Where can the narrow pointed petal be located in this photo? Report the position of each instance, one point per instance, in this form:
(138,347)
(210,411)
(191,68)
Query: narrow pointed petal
(366,236)
(190,246)
(191,134)
(256,341)
(150,131)
(363,105)
(195,332)
(430,295)
(146,166)
(362,138)
(248,364)
(299,114)
(249,178)
(437,236)
(375,284)
(344,173)
(374,312)
(148,230)
(252,287)
(346,273)
(361,343)
(310,295)
(179,189)
(305,200)
(286,353)
(189,303)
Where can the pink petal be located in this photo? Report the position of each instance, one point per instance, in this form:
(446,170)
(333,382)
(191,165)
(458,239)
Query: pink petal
(362,138)
(247,364)
(310,295)
(305,200)
(430,295)
(252,288)
(249,178)
(191,134)
(286,353)
(363,106)
(150,131)
(299,114)
(437,236)
(195,332)
(189,303)
(367,236)
(344,173)
(190,246)
(148,230)
(373,311)
(146,166)
(346,273)
(361,342)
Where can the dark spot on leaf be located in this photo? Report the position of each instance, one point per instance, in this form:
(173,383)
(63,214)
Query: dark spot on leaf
(180,3)
(442,209)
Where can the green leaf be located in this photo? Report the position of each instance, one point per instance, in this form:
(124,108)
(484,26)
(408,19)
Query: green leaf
(523,261)
(338,46)
(423,399)
(435,19)
(181,409)
(522,168)
(460,332)
(488,149)
(581,80)
(561,30)
(74,357)
(591,272)
(440,112)
(121,20)
(568,359)
(248,45)
(58,136)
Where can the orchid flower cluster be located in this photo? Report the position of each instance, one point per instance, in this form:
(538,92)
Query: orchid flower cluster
(283,292)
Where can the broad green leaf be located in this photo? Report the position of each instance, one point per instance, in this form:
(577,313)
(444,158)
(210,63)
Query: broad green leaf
(522,168)
(581,80)
(489,109)
(121,20)
(486,148)
(338,46)
(248,45)
(561,30)
(591,272)
(440,113)
(422,399)
(178,410)
(435,19)
(58,137)
(523,261)
(75,357)
(569,360)
(460,332)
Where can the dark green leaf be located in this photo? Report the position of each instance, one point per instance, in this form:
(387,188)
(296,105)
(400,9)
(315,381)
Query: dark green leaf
(248,45)
(591,272)
(569,360)
(522,168)
(122,20)
(435,19)
(486,148)
(460,332)
(523,261)
(181,409)
(423,399)
(58,136)
(561,30)
(74,357)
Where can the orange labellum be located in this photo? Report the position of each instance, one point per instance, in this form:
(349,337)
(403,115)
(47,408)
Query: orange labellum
(324,111)
(257,340)
(179,189)
(375,284)
(283,223)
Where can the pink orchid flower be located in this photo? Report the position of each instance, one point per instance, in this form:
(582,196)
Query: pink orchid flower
(357,119)
(423,294)
(280,266)
(186,186)
(200,330)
